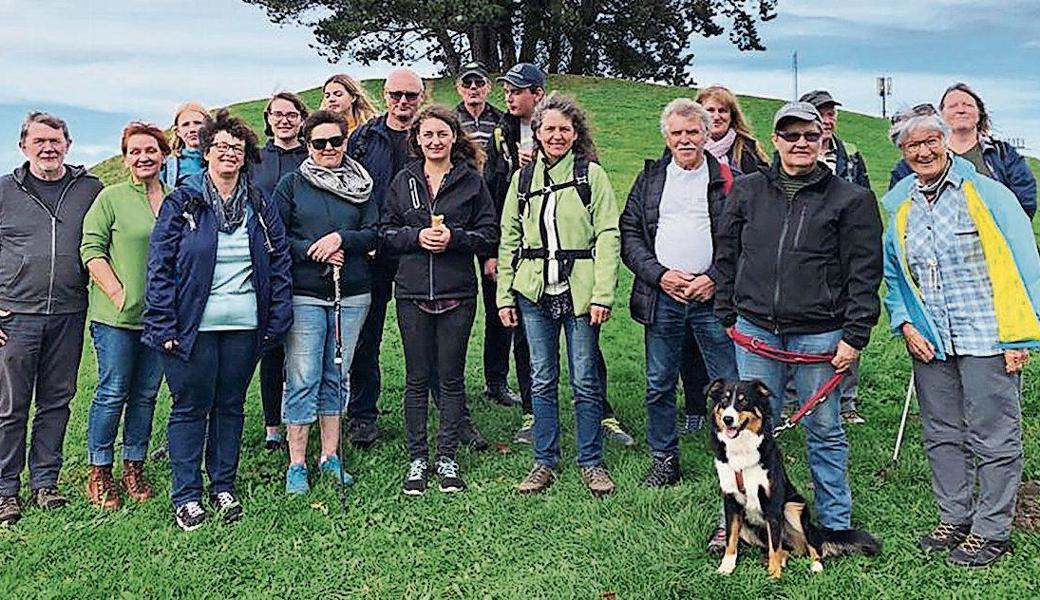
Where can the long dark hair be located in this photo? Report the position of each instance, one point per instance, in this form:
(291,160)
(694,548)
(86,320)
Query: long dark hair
(567,106)
(289,97)
(984,123)
(464,150)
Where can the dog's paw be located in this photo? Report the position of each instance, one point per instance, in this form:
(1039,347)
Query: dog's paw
(775,573)
(817,567)
(728,564)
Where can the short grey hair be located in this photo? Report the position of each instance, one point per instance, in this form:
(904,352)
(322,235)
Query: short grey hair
(684,107)
(905,123)
(43,118)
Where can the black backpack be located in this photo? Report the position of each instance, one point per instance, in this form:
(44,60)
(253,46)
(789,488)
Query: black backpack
(580,181)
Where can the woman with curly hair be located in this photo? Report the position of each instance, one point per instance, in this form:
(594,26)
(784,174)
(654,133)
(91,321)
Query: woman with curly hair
(731,140)
(438,217)
(343,95)
(557,268)
(218,294)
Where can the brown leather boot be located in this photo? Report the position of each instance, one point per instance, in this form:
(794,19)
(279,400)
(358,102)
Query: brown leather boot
(101,490)
(134,481)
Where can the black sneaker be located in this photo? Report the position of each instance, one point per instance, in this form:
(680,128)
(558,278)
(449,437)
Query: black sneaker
(470,436)
(415,479)
(49,498)
(448,475)
(362,434)
(663,472)
(10,510)
(501,394)
(944,537)
(227,506)
(190,516)
(977,552)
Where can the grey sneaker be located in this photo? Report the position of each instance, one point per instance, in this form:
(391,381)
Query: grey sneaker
(613,431)
(10,510)
(49,498)
(525,435)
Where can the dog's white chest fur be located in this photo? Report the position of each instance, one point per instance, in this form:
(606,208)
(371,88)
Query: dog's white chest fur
(742,455)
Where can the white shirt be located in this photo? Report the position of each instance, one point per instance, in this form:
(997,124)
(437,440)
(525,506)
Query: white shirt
(684,226)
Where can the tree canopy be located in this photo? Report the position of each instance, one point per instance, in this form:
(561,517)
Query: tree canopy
(646,40)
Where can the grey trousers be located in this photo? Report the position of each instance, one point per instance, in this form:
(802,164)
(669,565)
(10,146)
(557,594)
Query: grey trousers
(41,359)
(971,421)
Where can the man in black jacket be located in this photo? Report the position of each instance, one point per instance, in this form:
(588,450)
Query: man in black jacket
(43,303)
(799,263)
(667,239)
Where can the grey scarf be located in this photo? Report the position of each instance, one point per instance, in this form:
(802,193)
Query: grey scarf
(350,181)
(230,213)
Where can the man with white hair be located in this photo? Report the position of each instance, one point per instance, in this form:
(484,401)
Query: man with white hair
(668,231)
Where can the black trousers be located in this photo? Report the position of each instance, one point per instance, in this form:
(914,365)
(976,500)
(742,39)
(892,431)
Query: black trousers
(272,383)
(365,377)
(38,364)
(694,377)
(439,341)
(497,341)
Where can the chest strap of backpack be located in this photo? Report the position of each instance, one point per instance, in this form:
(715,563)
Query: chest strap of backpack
(580,182)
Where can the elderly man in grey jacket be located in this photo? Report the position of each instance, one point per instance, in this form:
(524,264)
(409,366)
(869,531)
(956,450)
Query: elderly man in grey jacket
(43,303)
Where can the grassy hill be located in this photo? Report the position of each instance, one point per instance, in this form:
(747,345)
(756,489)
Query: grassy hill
(488,542)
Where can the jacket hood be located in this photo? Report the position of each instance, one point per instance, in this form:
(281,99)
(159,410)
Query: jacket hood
(271,147)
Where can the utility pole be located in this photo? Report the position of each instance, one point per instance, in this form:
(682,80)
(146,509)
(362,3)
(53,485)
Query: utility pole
(794,69)
(884,89)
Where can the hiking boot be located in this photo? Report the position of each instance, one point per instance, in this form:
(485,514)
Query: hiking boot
(717,541)
(944,537)
(134,481)
(612,431)
(471,437)
(663,472)
(525,435)
(332,467)
(10,511)
(537,481)
(448,475)
(227,506)
(296,480)
(101,489)
(362,434)
(415,479)
(692,424)
(190,516)
(49,498)
(501,394)
(598,480)
(852,417)
(977,552)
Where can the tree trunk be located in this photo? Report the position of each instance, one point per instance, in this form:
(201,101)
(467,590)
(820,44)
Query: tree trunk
(452,60)
(554,36)
(580,36)
(535,16)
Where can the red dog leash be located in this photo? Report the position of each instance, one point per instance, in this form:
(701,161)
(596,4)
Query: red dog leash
(760,348)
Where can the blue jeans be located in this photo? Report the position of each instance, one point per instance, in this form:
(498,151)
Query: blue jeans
(310,371)
(664,344)
(828,448)
(543,339)
(209,391)
(129,375)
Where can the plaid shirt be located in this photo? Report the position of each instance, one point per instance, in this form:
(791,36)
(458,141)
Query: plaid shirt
(947,264)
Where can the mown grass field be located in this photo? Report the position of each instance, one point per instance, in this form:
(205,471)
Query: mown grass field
(489,542)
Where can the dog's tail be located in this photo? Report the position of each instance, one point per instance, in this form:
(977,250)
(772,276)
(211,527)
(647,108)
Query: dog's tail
(837,542)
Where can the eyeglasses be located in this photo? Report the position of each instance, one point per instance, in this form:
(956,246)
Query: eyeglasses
(288,116)
(793,136)
(320,143)
(223,148)
(409,96)
(478,82)
(932,143)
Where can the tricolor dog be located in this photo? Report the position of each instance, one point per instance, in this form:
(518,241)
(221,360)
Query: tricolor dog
(762,507)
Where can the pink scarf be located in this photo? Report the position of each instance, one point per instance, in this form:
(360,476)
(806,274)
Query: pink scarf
(720,148)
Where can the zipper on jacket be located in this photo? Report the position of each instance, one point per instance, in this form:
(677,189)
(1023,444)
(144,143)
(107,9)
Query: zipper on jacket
(54,231)
(798,230)
(779,254)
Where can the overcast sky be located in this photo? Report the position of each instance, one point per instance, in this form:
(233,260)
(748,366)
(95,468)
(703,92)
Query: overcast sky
(101,63)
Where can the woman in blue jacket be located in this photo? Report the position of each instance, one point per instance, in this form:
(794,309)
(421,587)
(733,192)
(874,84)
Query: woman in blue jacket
(219,293)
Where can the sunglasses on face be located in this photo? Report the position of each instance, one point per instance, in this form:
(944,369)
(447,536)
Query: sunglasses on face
(409,96)
(793,136)
(320,143)
(478,82)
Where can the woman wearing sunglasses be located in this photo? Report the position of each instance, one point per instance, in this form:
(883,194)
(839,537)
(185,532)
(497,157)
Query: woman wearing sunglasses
(331,225)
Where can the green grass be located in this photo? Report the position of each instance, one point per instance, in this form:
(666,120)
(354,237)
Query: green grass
(488,542)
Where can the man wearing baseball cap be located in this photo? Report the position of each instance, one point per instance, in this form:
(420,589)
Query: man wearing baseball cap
(809,248)
(845,161)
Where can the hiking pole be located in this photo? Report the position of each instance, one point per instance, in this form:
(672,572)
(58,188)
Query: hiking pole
(902,429)
(337,305)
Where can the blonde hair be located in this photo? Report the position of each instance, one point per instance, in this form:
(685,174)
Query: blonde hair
(737,120)
(361,110)
(176,143)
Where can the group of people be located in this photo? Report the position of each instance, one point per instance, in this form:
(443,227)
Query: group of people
(220,254)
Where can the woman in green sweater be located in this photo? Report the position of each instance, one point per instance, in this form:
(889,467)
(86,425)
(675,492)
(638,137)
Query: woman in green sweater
(116,231)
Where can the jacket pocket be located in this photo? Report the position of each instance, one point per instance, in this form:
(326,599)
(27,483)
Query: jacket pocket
(12,265)
(70,279)
(806,291)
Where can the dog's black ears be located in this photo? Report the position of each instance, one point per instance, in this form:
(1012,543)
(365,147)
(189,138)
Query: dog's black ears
(760,388)
(715,387)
